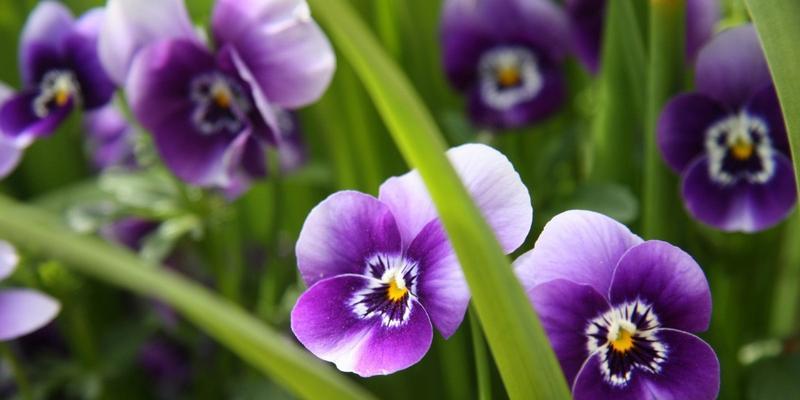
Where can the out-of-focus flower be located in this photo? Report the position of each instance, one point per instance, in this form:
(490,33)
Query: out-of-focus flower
(22,311)
(728,138)
(10,150)
(618,311)
(587,17)
(109,138)
(129,232)
(382,270)
(505,55)
(292,152)
(60,72)
(213,112)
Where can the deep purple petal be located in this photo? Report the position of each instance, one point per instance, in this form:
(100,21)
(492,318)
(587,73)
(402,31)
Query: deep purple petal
(286,51)
(544,104)
(443,291)
(46,28)
(465,36)
(579,246)
(701,18)
(292,152)
(565,309)
(590,385)
(130,25)
(23,311)
(731,67)
(109,138)
(765,105)
(8,259)
(587,17)
(668,279)
(324,321)
(19,122)
(742,206)
(265,110)
(129,232)
(691,370)
(341,233)
(80,48)
(491,180)
(682,128)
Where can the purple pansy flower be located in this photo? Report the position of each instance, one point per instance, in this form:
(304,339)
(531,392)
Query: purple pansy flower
(728,139)
(22,311)
(213,111)
(10,150)
(381,270)
(587,19)
(60,72)
(505,55)
(109,138)
(619,311)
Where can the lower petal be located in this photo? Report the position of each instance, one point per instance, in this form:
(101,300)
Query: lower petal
(691,370)
(772,202)
(24,311)
(591,385)
(325,322)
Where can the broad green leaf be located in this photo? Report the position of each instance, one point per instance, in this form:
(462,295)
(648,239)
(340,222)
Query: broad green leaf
(518,343)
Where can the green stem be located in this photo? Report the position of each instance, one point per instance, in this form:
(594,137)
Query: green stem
(784,310)
(481,359)
(225,254)
(255,343)
(23,386)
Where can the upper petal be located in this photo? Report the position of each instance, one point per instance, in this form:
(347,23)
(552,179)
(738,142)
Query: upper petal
(701,18)
(325,322)
(731,67)
(8,259)
(341,233)
(47,26)
(80,48)
(132,24)
(491,181)
(465,36)
(691,369)
(667,278)
(23,311)
(289,55)
(579,246)
(682,128)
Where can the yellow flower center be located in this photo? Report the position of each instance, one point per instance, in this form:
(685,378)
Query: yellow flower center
(742,150)
(222,98)
(62,97)
(397,290)
(508,76)
(623,342)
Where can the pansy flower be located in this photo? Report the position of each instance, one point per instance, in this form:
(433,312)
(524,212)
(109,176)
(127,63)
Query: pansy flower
(505,55)
(587,19)
(22,311)
(60,72)
(381,271)
(212,109)
(10,150)
(728,139)
(619,311)
(109,138)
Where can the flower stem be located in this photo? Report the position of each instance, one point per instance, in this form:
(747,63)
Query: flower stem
(783,319)
(481,358)
(23,386)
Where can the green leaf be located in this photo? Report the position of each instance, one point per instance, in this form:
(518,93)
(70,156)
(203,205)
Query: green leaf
(257,344)
(613,200)
(518,343)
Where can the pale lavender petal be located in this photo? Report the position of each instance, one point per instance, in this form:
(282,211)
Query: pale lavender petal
(491,181)
(47,26)
(10,155)
(691,370)
(341,233)
(668,279)
(325,322)
(288,54)
(8,259)
(590,385)
(130,25)
(23,311)
(579,246)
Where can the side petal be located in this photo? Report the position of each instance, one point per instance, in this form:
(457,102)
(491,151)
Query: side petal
(8,259)
(732,67)
(20,124)
(341,233)
(691,370)
(682,128)
(464,36)
(324,321)
(10,155)
(590,385)
(491,181)
(47,26)
(565,309)
(81,51)
(289,55)
(579,246)
(23,311)
(130,25)
(668,279)
(765,105)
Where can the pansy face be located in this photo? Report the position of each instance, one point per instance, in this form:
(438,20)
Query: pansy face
(509,76)
(57,89)
(739,147)
(221,104)
(389,294)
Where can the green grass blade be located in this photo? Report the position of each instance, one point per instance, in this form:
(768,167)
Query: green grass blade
(263,348)
(518,343)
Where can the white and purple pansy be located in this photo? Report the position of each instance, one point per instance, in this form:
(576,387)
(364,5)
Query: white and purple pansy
(506,55)
(381,271)
(60,71)
(22,311)
(620,311)
(214,109)
(728,140)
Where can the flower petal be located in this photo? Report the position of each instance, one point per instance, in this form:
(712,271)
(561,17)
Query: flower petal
(579,246)
(443,290)
(667,278)
(764,104)
(491,180)
(10,155)
(701,18)
(47,26)
(731,67)
(691,370)
(465,36)
(587,18)
(130,25)
(8,259)
(20,124)
(341,233)
(565,309)
(286,51)
(590,385)
(81,50)
(682,128)
(23,311)
(324,321)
